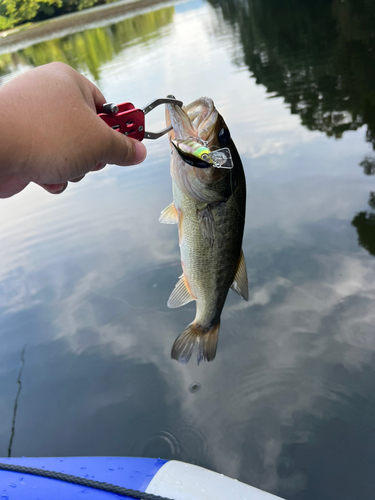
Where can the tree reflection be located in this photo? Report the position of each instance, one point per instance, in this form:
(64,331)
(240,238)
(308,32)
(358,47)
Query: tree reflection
(364,222)
(368,165)
(319,55)
(90,49)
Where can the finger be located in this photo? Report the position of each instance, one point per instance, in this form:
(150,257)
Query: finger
(54,188)
(100,166)
(122,150)
(98,97)
(10,185)
(77,179)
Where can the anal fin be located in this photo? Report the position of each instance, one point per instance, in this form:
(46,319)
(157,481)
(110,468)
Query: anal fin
(240,284)
(169,215)
(181,294)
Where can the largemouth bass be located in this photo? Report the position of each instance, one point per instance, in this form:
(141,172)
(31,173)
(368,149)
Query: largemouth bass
(209,208)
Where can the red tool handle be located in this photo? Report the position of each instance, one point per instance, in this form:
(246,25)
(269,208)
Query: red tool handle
(128,120)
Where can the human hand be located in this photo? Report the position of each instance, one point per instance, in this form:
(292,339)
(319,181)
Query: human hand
(50,132)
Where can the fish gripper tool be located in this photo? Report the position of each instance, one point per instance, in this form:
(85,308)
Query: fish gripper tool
(130,120)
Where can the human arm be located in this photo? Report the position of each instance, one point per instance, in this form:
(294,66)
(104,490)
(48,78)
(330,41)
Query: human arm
(50,132)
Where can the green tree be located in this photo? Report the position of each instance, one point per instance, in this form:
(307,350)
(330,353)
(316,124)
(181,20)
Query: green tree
(15,12)
(74,5)
(20,11)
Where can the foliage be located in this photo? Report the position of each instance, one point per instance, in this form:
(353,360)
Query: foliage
(5,23)
(15,12)
(20,11)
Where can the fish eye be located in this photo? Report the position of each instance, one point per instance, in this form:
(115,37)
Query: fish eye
(224,136)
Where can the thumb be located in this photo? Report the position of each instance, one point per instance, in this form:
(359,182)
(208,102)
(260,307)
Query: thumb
(11,184)
(122,150)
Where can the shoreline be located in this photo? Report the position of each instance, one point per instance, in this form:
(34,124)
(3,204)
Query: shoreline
(101,15)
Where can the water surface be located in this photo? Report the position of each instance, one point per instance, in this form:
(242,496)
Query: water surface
(288,404)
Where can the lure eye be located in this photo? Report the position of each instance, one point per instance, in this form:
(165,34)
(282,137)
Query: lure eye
(206,158)
(190,159)
(224,136)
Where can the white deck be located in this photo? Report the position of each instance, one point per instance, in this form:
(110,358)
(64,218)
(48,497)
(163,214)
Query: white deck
(182,481)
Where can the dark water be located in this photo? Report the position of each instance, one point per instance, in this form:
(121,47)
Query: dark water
(288,405)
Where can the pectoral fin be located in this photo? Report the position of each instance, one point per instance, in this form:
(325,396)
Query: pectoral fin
(207,225)
(169,215)
(181,294)
(240,283)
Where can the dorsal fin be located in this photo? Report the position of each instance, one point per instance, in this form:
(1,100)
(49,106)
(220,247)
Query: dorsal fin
(169,215)
(180,295)
(240,284)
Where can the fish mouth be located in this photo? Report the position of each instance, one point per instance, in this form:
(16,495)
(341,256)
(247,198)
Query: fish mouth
(196,133)
(196,120)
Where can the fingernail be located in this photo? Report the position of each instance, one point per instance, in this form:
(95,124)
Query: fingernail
(63,188)
(55,188)
(140,153)
(58,188)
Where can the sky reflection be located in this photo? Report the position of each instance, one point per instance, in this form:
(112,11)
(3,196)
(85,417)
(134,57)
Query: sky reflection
(85,278)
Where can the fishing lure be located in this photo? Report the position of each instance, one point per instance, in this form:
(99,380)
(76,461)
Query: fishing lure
(195,152)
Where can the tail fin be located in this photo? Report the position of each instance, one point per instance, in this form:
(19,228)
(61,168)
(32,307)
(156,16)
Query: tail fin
(205,338)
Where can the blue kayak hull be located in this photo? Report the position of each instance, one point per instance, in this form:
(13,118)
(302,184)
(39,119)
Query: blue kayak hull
(133,473)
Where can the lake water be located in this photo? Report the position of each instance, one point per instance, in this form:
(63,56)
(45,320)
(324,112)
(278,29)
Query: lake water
(288,405)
